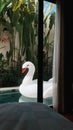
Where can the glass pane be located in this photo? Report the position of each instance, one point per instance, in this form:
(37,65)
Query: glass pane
(48,47)
(18,44)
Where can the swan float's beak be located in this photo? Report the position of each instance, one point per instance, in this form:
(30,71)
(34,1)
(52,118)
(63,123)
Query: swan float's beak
(23,70)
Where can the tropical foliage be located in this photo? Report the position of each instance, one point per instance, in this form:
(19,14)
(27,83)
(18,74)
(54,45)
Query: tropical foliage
(48,39)
(20,18)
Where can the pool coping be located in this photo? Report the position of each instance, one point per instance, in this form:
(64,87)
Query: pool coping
(8,88)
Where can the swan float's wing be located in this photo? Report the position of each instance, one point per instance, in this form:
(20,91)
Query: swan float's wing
(34,81)
(29,90)
(50,80)
(48,90)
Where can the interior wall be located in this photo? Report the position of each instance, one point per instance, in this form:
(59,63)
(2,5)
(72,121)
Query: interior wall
(68,63)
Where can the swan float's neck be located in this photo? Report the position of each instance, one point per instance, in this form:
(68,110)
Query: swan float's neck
(29,76)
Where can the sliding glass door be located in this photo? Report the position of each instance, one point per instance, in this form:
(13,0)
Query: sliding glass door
(27,34)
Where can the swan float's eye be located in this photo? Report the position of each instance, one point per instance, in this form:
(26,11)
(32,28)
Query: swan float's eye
(27,65)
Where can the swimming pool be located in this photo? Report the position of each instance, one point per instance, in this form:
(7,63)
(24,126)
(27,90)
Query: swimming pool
(13,95)
(9,96)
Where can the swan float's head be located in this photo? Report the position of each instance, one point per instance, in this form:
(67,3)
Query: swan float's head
(28,65)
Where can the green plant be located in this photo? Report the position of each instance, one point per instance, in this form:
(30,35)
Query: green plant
(48,25)
(22,16)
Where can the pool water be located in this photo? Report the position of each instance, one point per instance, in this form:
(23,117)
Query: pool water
(10,96)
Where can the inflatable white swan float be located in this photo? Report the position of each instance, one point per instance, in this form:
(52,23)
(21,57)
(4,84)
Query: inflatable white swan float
(28,87)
